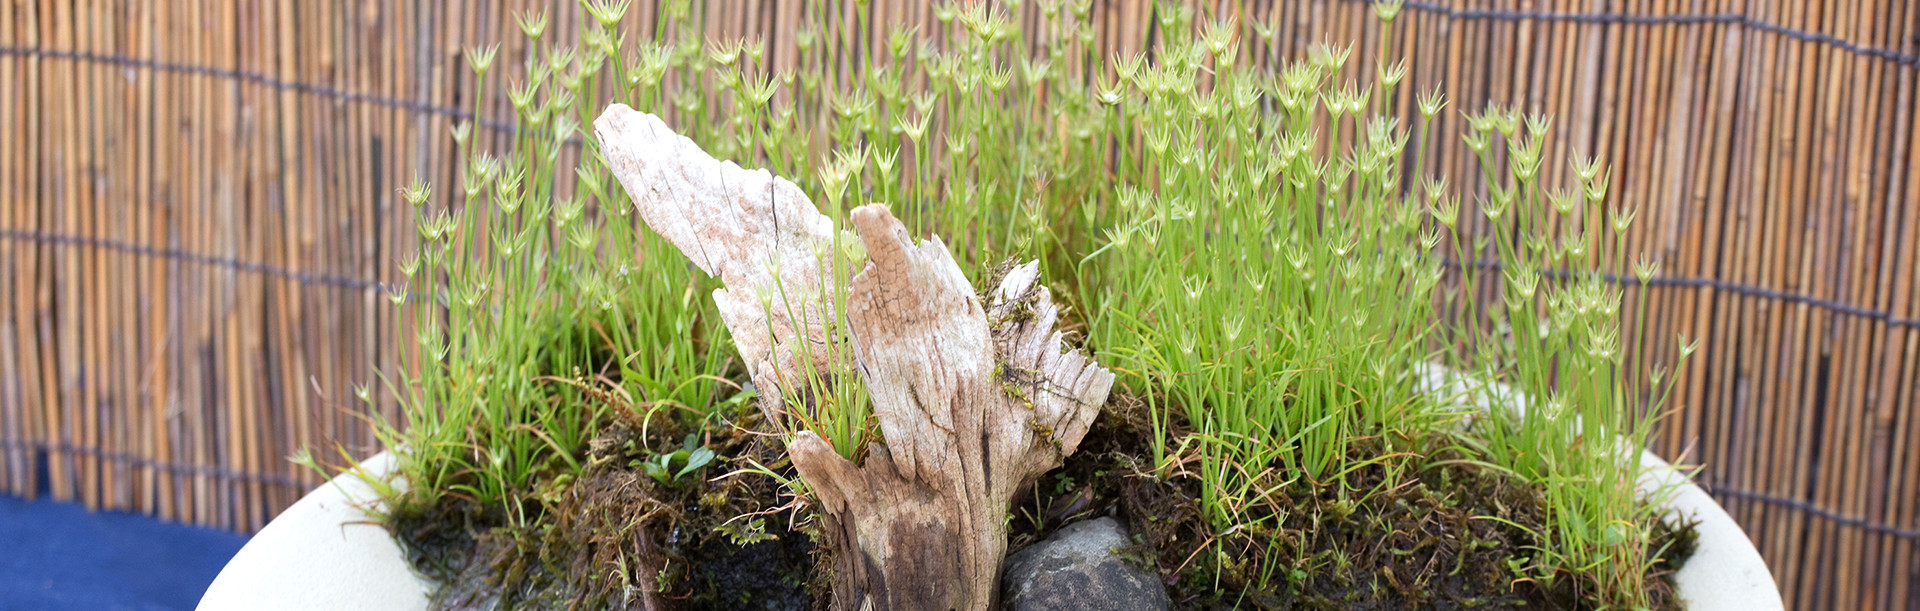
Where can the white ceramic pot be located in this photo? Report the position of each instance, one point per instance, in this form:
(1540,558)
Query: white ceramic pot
(325,553)
(1725,572)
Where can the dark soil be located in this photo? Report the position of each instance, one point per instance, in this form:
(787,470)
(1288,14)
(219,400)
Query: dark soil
(619,539)
(1422,541)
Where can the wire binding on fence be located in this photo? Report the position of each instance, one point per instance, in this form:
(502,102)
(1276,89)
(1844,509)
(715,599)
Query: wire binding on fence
(180,469)
(1736,288)
(188,256)
(1739,19)
(256,78)
(373,285)
(1912,534)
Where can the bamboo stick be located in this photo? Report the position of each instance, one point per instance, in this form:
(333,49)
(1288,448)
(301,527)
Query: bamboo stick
(14,377)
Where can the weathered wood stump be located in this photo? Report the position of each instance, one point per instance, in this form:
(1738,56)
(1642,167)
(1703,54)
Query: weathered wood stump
(973,400)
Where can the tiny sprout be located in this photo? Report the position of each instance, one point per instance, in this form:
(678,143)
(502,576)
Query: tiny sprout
(479,58)
(957,146)
(607,12)
(1119,235)
(1432,102)
(532,23)
(397,295)
(1344,246)
(429,231)
(410,265)
(1436,187)
(1496,206)
(998,78)
(461,132)
(570,209)
(1109,93)
(1687,346)
(558,58)
(1150,234)
(473,183)
(924,100)
(1182,210)
(1335,101)
(1233,326)
(1225,58)
(1564,201)
(804,37)
(1339,58)
(1481,122)
(1263,30)
(1219,34)
(913,129)
(834,179)
(416,192)
(443,225)
(724,52)
(943,11)
(560,100)
(1623,219)
(1645,268)
(1387,9)
(1196,55)
(1158,137)
(1574,245)
(1523,281)
(1596,188)
(1128,66)
(1186,343)
(1524,158)
(1034,72)
(1390,75)
(1203,104)
(1195,287)
(1538,123)
(1446,211)
(760,90)
(900,40)
(472,294)
(1477,141)
(1587,168)
(1506,122)
(582,236)
(1245,95)
(885,161)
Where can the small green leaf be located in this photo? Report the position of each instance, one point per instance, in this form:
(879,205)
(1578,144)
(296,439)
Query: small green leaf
(699,458)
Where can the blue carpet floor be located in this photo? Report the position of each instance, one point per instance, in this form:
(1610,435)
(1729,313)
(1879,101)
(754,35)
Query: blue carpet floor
(56,556)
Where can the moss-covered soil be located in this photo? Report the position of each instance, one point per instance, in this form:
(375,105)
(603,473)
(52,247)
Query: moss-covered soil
(1447,537)
(619,536)
(1423,541)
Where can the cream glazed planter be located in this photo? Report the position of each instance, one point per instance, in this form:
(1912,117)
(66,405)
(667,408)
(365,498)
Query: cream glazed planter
(323,553)
(1725,572)
(326,553)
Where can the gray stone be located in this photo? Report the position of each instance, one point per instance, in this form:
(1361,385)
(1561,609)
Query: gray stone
(1079,568)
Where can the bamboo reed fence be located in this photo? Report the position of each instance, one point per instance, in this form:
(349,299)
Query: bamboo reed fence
(198,216)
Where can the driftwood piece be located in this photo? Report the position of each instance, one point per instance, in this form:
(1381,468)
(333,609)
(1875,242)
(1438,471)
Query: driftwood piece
(973,400)
(743,226)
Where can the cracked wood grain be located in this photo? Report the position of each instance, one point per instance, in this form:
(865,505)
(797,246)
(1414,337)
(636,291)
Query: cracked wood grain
(973,400)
